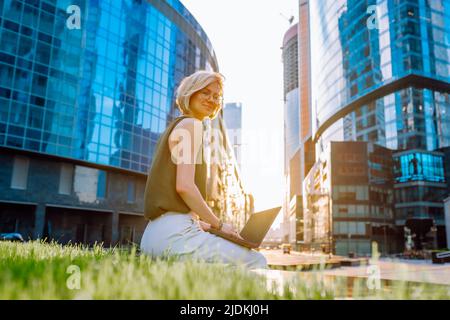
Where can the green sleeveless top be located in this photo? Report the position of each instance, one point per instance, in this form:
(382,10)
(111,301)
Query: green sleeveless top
(160,193)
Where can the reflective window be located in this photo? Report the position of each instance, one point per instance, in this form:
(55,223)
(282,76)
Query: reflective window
(66,179)
(351,59)
(20,173)
(131,191)
(100,95)
(102,185)
(418,166)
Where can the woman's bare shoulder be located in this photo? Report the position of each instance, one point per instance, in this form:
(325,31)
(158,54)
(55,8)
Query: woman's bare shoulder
(188,124)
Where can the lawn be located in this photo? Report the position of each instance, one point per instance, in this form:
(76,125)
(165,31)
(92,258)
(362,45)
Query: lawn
(38,270)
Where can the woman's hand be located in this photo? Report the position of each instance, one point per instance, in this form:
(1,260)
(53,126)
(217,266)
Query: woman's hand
(203,225)
(226,227)
(229,228)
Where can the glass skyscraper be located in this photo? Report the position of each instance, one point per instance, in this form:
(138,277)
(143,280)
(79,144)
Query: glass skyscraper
(86,88)
(298,147)
(101,93)
(292,141)
(381,74)
(386,83)
(232,116)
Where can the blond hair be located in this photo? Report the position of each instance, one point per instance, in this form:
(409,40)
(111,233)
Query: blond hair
(193,83)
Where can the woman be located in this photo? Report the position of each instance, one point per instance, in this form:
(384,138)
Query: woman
(176,185)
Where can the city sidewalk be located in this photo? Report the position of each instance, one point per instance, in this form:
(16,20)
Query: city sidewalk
(406,270)
(297,261)
(399,269)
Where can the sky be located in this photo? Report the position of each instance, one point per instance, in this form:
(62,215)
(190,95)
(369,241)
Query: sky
(247,37)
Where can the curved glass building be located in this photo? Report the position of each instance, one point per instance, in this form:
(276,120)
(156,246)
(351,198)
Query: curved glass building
(381,72)
(86,88)
(381,75)
(101,93)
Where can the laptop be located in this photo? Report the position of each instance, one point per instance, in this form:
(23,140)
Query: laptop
(254,230)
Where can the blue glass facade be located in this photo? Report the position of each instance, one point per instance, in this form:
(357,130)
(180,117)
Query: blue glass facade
(381,74)
(102,93)
(420,166)
(387,85)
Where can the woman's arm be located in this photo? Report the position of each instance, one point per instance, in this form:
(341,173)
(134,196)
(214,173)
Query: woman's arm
(185,177)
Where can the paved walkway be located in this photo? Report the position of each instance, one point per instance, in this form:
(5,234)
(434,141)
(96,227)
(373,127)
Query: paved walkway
(306,261)
(407,270)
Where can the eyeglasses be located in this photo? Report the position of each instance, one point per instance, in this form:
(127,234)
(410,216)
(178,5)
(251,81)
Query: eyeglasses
(218,100)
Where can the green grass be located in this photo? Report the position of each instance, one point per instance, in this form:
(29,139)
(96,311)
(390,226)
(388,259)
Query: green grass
(37,270)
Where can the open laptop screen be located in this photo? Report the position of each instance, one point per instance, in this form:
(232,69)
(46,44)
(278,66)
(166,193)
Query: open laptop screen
(259,224)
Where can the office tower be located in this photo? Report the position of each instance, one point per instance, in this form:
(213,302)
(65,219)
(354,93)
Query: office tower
(380,74)
(299,149)
(232,116)
(291,131)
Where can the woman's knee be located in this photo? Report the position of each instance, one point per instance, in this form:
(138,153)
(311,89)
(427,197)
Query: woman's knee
(259,259)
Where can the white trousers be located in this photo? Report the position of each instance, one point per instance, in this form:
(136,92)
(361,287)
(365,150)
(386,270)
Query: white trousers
(179,234)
